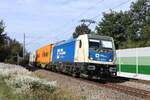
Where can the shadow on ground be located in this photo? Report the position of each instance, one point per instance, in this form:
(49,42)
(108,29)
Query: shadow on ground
(104,80)
(31,68)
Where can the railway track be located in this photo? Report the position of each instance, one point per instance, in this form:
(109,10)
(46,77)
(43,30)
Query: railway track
(129,90)
(131,80)
(140,81)
(114,86)
(121,88)
(122,79)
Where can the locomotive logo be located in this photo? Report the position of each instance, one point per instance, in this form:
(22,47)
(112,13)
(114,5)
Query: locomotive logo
(60,53)
(100,55)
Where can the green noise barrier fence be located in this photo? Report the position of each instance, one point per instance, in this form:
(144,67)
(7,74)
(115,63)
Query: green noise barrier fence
(136,60)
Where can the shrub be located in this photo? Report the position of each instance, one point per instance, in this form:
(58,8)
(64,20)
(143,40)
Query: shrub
(21,81)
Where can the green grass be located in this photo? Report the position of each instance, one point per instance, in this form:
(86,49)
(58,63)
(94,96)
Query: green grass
(6,93)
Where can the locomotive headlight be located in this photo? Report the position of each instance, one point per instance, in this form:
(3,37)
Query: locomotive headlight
(91,58)
(110,60)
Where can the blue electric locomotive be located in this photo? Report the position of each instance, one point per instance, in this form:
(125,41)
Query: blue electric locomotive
(87,55)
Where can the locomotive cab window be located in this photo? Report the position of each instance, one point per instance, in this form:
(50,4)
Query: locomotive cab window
(100,44)
(94,44)
(80,44)
(107,44)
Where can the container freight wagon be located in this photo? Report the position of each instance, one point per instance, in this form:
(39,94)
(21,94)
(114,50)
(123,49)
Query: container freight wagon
(43,56)
(134,63)
(92,56)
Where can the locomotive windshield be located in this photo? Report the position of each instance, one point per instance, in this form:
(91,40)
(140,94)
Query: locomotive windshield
(106,44)
(100,44)
(94,43)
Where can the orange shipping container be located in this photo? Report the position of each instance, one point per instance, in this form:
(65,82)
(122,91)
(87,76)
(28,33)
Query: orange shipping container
(43,55)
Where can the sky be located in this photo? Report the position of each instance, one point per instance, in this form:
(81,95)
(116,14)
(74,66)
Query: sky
(50,21)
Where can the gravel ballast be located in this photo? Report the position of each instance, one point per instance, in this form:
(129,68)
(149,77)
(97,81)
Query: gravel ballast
(141,86)
(83,89)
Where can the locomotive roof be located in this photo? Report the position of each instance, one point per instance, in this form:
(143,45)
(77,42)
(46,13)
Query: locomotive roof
(89,35)
(65,41)
(99,37)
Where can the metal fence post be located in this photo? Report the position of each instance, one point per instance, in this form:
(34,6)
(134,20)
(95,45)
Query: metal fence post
(119,62)
(137,62)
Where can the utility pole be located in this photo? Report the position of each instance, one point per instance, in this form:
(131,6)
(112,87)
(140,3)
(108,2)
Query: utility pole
(24,45)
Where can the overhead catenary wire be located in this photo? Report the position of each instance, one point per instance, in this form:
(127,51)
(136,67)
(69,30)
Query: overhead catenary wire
(81,14)
(74,19)
(121,4)
(87,10)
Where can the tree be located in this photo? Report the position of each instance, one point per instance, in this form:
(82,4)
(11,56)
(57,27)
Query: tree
(81,29)
(140,14)
(129,29)
(114,24)
(9,48)
(14,49)
(3,36)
